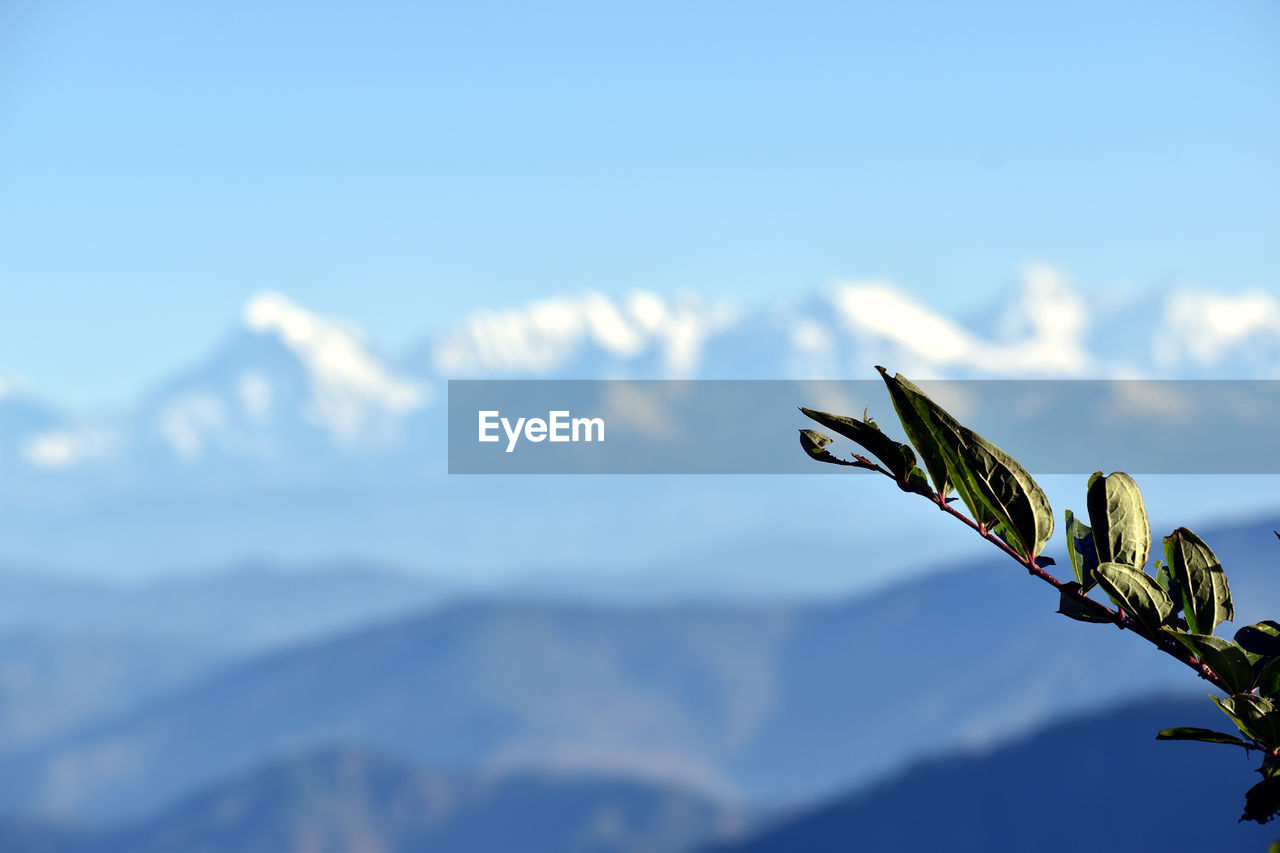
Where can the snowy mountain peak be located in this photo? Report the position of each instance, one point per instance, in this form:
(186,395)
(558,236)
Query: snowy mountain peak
(294,385)
(67,446)
(1042,330)
(1206,329)
(543,336)
(350,386)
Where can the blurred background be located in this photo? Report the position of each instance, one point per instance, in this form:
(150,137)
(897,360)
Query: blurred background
(244,246)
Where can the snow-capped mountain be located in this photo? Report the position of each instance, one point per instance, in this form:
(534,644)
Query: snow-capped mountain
(289,384)
(587,335)
(301,437)
(835,333)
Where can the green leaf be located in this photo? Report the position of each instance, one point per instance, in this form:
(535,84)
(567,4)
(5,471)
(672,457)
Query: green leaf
(1262,801)
(919,431)
(1118,517)
(1223,656)
(814,444)
(813,441)
(1073,608)
(1197,574)
(1009,492)
(1203,735)
(1262,638)
(1081,551)
(897,457)
(1166,583)
(1254,716)
(1269,679)
(996,489)
(1136,592)
(917,483)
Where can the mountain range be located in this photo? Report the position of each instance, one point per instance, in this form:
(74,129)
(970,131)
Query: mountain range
(340,799)
(1099,783)
(235,610)
(1096,782)
(288,383)
(768,704)
(299,439)
(72,649)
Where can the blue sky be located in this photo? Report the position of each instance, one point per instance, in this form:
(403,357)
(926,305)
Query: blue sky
(403,163)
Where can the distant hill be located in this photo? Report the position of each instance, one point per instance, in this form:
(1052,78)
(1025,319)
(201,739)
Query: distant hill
(770,704)
(72,648)
(472,686)
(52,681)
(1096,784)
(341,800)
(243,608)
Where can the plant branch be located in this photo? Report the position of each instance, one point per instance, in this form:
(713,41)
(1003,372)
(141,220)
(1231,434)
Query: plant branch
(1118,618)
